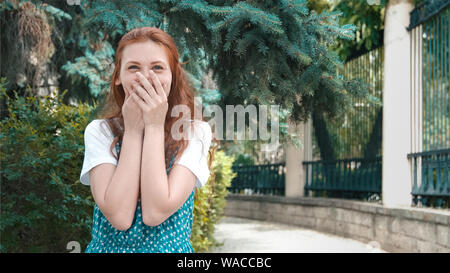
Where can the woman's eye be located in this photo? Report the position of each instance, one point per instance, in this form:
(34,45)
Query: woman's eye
(132,67)
(158,67)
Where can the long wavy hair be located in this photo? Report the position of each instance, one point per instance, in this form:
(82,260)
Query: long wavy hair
(181,92)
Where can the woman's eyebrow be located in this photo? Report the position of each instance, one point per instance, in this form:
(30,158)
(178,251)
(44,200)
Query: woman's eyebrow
(157,61)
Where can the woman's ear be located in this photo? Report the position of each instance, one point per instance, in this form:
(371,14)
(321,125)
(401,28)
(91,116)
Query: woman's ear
(118,81)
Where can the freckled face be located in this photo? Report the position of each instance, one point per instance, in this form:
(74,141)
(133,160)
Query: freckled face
(143,57)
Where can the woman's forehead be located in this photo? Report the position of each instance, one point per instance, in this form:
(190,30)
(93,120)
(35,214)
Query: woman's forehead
(145,53)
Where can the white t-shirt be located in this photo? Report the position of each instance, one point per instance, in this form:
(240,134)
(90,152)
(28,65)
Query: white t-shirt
(98,138)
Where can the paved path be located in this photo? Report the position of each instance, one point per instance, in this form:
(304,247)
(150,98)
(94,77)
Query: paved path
(240,235)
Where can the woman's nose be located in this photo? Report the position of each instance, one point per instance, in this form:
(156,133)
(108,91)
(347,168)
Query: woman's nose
(146,74)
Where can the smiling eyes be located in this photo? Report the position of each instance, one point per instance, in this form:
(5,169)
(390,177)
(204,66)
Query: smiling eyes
(133,67)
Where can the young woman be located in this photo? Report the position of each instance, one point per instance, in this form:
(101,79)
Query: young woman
(141,175)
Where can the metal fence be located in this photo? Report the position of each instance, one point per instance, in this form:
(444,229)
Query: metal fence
(259,179)
(352,133)
(355,172)
(352,178)
(431,178)
(430,103)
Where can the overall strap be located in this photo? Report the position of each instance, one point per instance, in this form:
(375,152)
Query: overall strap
(173,157)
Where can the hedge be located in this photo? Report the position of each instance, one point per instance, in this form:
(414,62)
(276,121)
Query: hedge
(44,206)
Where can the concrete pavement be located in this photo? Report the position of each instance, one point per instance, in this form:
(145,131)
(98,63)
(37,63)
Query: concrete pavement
(240,235)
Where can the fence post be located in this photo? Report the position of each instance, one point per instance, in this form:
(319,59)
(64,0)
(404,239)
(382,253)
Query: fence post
(295,172)
(396,176)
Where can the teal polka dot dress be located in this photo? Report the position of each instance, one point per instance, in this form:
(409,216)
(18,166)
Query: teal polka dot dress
(171,236)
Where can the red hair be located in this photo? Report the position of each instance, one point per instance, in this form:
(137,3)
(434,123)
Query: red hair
(181,91)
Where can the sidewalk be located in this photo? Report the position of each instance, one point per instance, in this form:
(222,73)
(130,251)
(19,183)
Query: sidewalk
(240,235)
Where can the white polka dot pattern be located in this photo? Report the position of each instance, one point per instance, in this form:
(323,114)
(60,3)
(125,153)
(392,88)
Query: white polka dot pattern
(171,236)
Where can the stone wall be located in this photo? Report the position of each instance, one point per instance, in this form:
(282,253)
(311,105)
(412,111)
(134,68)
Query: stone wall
(393,229)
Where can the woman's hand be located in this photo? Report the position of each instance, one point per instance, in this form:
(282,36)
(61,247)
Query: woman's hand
(152,100)
(132,114)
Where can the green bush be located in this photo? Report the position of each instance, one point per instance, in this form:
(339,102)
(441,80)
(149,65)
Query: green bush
(44,206)
(244,159)
(210,202)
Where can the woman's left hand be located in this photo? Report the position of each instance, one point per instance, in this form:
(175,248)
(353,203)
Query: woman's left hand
(153,101)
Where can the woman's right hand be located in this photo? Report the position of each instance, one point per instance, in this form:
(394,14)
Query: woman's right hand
(132,113)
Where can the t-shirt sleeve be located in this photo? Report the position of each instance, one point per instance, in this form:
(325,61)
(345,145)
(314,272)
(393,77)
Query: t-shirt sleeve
(97,143)
(195,155)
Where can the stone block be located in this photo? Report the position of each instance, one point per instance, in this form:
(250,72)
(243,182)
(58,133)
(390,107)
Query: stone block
(284,218)
(306,222)
(355,230)
(443,235)
(343,228)
(364,219)
(403,243)
(307,211)
(326,225)
(321,212)
(381,222)
(238,213)
(343,215)
(426,247)
(443,219)
(381,236)
(291,209)
(417,229)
